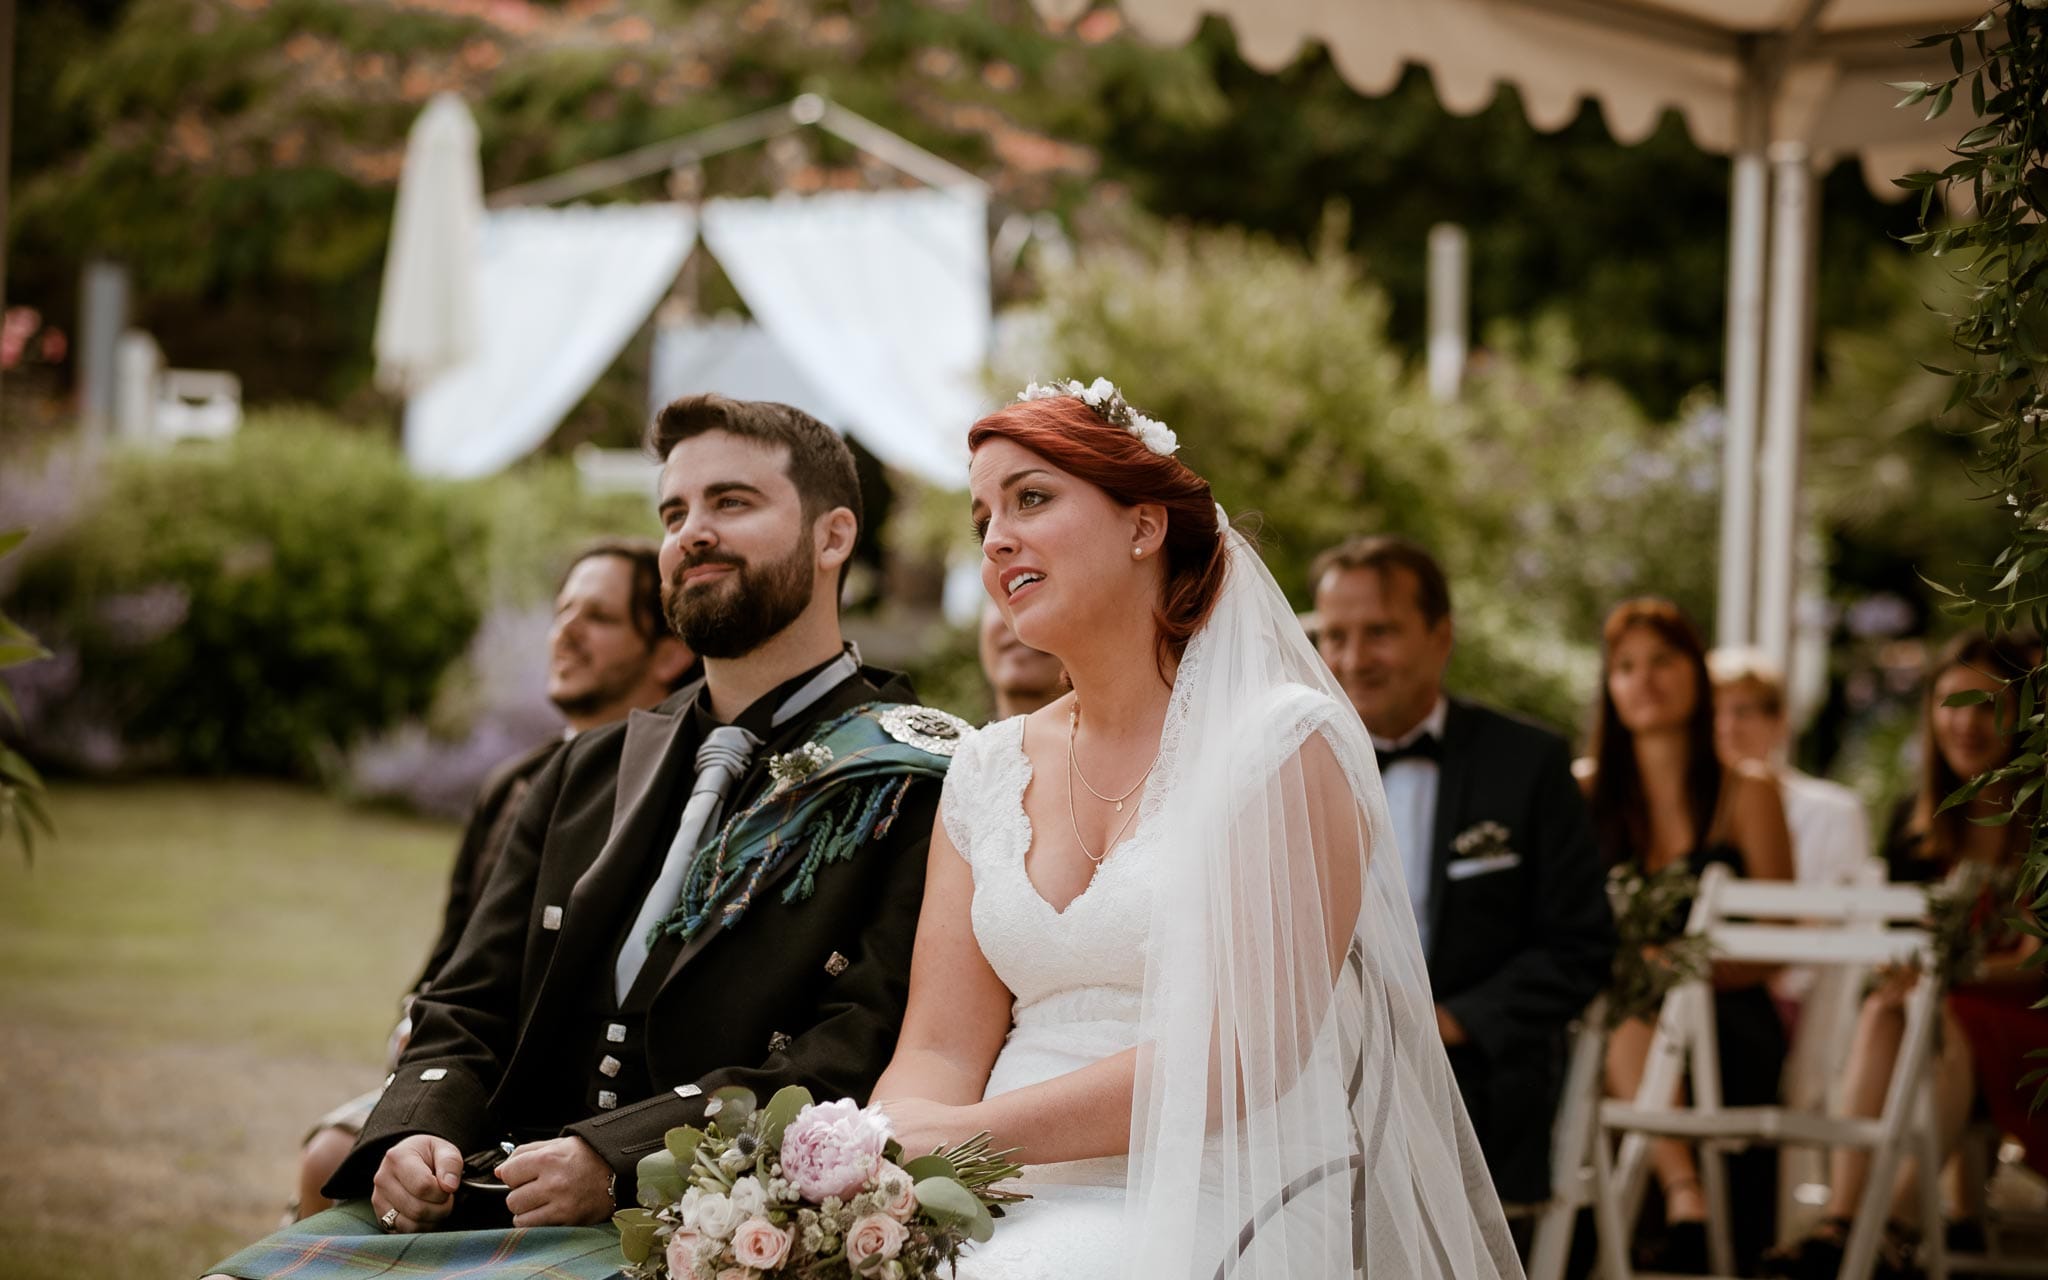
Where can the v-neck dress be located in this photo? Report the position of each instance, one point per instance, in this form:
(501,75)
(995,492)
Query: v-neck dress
(1077,977)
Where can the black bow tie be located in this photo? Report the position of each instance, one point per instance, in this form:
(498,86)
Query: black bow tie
(1426,747)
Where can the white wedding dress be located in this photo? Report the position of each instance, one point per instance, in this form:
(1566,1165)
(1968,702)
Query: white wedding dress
(1077,975)
(1344,1145)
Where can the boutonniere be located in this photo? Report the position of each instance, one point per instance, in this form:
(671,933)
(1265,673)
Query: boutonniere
(792,767)
(1485,840)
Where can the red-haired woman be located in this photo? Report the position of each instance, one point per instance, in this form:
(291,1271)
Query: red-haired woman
(1156,954)
(1988,1020)
(1660,797)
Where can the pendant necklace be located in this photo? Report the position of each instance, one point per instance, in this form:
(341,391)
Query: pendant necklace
(1074,771)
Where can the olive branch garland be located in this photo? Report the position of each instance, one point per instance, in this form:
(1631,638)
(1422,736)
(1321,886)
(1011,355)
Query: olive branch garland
(2000,330)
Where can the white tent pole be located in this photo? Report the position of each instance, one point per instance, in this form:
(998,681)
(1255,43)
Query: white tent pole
(1449,307)
(1785,386)
(1742,369)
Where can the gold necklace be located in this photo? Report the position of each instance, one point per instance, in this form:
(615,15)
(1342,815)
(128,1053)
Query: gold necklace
(1073,722)
(1074,771)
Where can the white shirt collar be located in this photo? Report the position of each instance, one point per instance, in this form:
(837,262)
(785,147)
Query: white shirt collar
(1433,723)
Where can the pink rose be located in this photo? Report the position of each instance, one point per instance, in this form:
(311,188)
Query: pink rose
(897,1190)
(760,1244)
(833,1148)
(682,1253)
(877,1236)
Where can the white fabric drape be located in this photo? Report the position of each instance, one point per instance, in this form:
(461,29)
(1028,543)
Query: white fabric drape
(732,357)
(559,294)
(426,311)
(881,300)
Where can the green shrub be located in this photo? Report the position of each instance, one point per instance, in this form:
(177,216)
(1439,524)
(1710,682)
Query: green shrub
(256,606)
(1547,496)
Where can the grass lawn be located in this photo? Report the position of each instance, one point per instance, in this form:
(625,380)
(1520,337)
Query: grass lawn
(190,974)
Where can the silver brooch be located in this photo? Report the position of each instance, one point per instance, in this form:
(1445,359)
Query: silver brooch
(835,964)
(926,728)
(778,1042)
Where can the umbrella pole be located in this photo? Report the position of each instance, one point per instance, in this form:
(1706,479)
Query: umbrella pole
(1742,375)
(1793,228)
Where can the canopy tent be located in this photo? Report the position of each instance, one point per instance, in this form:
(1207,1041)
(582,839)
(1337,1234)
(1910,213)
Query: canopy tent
(559,294)
(1786,87)
(877,302)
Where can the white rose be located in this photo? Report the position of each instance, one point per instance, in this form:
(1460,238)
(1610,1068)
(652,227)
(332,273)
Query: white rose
(717,1217)
(749,1197)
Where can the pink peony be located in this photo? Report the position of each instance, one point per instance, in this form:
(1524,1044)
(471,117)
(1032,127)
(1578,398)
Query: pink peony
(760,1244)
(682,1253)
(876,1236)
(833,1148)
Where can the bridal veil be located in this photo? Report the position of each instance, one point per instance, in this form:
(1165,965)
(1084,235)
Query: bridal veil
(1294,1116)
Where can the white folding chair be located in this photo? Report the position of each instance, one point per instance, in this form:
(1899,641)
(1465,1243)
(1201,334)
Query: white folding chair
(1571,1146)
(1775,922)
(1817,1054)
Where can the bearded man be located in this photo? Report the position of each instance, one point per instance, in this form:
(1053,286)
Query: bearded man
(657,929)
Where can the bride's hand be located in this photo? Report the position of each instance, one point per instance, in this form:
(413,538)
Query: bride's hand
(924,1126)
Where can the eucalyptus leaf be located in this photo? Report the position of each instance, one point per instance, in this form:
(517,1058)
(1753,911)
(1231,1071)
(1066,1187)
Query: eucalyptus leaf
(783,1108)
(660,1178)
(931,1166)
(955,1208)
(636,1234)
(682,1143)
(732,1105)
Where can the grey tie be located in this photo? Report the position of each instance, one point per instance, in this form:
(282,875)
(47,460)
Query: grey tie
(722,758)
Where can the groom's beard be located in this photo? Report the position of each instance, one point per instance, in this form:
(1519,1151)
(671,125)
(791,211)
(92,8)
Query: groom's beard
(735,615)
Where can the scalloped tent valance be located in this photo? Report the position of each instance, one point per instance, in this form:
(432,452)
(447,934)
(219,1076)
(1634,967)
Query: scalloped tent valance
(1710,60)
(1785,87)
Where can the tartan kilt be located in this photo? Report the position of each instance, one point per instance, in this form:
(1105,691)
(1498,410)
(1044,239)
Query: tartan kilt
(345,1243)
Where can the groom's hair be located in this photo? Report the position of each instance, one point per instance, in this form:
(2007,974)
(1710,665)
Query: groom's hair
(820,464)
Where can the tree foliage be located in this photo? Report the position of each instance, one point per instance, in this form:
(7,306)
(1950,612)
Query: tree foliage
(1547,495)
(241,155)
(2000,377)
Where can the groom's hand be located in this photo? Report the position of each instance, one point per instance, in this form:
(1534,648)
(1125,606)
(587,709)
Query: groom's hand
(418,1178)
(561,1182)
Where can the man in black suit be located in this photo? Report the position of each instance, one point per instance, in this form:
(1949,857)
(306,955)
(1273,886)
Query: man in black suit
(1508,892)
(620,970)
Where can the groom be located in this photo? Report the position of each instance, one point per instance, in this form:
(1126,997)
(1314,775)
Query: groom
(669,917)
(1508,892)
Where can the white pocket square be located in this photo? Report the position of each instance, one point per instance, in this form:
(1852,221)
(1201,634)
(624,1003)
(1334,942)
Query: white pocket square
(1466,868)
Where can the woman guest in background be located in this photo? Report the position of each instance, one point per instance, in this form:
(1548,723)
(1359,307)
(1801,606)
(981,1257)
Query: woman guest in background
(1988,1024)
(1660,796)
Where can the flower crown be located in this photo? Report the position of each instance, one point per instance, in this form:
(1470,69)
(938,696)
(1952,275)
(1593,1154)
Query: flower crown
(1102,396)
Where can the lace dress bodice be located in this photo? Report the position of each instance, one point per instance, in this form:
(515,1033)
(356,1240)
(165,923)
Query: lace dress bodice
(1076,974)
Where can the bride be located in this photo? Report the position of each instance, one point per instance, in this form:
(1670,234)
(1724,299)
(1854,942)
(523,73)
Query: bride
(1160,954)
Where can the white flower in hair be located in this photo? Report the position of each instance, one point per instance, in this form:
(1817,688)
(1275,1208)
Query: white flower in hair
(1102,396)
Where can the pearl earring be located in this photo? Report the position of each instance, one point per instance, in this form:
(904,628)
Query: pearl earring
(1137,553)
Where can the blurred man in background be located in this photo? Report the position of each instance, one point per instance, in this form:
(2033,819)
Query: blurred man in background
(1509,896)
(610,650)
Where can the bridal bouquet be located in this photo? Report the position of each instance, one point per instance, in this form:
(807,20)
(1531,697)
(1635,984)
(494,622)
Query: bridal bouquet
(798,1188)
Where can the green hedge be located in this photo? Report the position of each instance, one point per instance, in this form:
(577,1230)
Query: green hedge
(254,607)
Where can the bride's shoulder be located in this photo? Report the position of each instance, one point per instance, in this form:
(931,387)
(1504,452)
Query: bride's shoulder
(1300,706)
